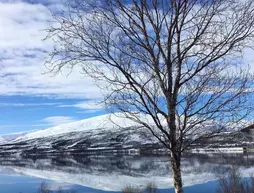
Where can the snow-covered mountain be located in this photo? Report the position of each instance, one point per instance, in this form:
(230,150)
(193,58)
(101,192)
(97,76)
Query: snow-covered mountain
(105,133)
(12,136)
(108,121)
(96,124)
(108,133)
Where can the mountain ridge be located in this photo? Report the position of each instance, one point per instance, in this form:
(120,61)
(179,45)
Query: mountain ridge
(106,121)
(109,133)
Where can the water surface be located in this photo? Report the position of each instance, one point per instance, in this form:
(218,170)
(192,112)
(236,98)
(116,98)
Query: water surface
(101,174)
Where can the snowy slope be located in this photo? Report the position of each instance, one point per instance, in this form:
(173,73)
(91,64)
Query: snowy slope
(12,136)
(2,139)
(106,122)
(108,133)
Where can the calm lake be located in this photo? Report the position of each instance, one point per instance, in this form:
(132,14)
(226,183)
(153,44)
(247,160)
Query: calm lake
(98,174)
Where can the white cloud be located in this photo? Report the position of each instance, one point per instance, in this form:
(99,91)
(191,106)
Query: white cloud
(87,111)
(21,25)
(57,120)
(89,106)
(23,54)
(3,127)
(8,126)
(27,104)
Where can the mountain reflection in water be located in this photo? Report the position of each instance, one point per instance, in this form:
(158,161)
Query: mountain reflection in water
(113,173)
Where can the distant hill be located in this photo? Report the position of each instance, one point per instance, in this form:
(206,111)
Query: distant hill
(103,134)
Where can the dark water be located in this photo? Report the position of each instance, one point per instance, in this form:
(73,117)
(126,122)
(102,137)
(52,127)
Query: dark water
(100,174)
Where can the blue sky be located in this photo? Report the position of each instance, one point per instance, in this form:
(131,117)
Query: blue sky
(30,98)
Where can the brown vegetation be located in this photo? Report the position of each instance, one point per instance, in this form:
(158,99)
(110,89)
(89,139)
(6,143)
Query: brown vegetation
(45,188)
(150,188)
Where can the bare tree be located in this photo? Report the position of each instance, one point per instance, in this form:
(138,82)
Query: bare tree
(172,66)
(235,183)
(150,188)
(44,188)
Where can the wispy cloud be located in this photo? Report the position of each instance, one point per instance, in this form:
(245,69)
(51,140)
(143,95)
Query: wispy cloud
(88,106)
(27,104)
(23,54)
(57,120)
(4,127)
(8,126)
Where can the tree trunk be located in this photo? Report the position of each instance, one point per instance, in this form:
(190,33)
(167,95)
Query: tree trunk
(175,164)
